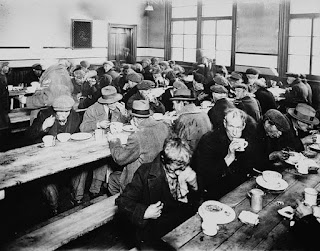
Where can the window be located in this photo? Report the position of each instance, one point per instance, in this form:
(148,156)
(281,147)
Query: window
(304,38)
(215,34)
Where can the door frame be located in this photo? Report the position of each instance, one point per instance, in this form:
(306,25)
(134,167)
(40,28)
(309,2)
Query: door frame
(134,37)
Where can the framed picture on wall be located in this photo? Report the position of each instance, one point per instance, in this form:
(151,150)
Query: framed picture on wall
(81,34)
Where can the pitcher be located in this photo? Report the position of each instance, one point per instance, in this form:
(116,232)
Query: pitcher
(256,196)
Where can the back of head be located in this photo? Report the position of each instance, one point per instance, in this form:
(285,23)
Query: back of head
(278,119)
(176,149)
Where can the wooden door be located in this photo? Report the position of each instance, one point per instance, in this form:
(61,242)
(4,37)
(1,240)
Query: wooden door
(121,36)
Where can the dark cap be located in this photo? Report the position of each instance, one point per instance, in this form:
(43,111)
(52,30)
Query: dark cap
(252,71)
(278,119)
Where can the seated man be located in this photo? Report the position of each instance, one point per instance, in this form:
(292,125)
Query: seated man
(157,200)
(59,118)
(142,146)
(168,94)
(302,118)
(220,163)
(33,75)
(192,122)
(99,115)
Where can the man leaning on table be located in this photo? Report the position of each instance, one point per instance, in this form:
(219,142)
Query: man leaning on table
(220,163)
(58,118)
(142,146)
(159,198)
(107,109)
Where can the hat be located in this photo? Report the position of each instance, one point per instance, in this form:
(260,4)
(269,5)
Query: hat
(3,64)
(278,119)
(218,89)
(109,95)
(85,64)
(221,80)
(109,63)
(304,113)
(134,77)
(146,85)
(91,74)
(141,108)
(37,67)
(179,85)
(63,103)
(183,94)
(235,75)
(79,73)
(252,71)
(243,86)
(291,74)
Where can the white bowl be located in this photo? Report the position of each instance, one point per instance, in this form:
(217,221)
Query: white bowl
(271,177)
(63,137)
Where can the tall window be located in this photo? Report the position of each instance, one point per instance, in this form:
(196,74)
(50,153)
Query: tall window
(304,38)
(215,20)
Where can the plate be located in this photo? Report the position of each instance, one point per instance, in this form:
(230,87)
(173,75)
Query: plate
(315,147)
(129,128)
(223,216)
(81,136)
(295,158)
(282,185)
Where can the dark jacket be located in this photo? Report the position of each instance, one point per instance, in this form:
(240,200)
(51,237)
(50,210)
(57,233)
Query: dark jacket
(165,100)
(215,178)
(35,132)
(149,185)
(266,99)
(4,103)
(250,105)
(297,135)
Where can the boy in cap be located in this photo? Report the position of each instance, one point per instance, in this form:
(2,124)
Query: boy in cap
(142,146)
(58,118)
(168,94)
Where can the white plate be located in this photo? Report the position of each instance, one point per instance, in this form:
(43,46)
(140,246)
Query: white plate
(282,185)
(81,136)
(315,147)
(292,160)
(226,215)
(128,128)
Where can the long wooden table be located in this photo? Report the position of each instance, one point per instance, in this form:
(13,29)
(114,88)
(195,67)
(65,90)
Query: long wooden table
(272,233)
(28,163)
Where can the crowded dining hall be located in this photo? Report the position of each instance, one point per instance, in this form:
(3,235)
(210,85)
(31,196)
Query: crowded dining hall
(159,125)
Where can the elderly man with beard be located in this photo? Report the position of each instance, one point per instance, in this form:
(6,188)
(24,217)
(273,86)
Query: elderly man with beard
(58,118)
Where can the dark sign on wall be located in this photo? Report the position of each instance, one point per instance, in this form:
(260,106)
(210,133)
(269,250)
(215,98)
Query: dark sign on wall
(81,34)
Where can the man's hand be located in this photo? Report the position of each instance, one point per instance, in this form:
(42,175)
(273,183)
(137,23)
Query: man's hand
(153,211)
(104,124)
(48,122)
(281,155)
(190,177)
(302,209)
(122,108)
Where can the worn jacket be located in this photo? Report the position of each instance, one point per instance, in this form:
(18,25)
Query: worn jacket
(191,124)
(97,113)
(142,147)
(266,99)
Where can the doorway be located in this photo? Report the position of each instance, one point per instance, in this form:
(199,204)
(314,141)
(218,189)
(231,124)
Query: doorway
(121,36)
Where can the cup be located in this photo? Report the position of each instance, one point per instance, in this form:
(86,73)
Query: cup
(209,227)
(256,196)
(318,138)
(302,167)
(242,143)
(10,87)
(310,196)
(48,140)
(98,134)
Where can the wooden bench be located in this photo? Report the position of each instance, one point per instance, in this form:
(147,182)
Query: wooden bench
(67,226)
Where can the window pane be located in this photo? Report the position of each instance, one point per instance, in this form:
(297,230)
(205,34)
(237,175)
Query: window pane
(189,11)
(177,27)
(224,27)
(223,58)
(190,41)
(177,41)
(217,8)
(177,54)
(177,3)
(209,27)
(316,46)
(298,64)
(316,27)
(300,6)
(224,43)
(209,53)
(190,27)
(299,45)
(189,55)
(300,27)
(208,42)
(315,66)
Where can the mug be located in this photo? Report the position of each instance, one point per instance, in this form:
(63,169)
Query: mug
(98,134)
(242,142)
(209,227)
(302,167)
(310,196)
(48,140)
(256,196)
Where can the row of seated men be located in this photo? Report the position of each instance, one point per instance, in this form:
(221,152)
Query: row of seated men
(201,145)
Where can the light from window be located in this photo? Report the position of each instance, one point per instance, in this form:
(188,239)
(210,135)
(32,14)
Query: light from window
(298,64)
(216,8)
(300,6)
(187,11)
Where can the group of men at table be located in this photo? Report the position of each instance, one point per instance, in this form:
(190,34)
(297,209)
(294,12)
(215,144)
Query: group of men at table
(166,169)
